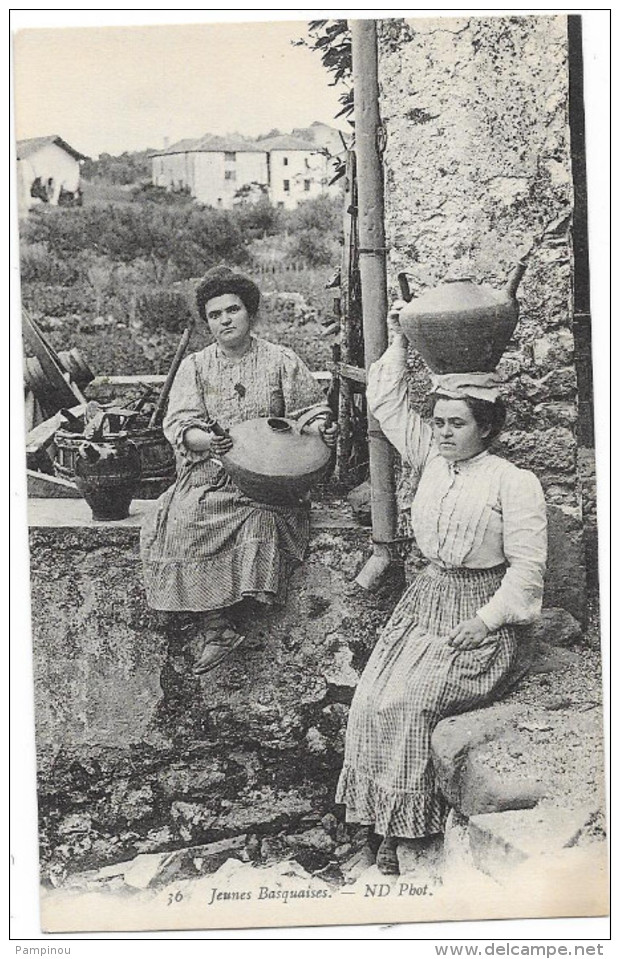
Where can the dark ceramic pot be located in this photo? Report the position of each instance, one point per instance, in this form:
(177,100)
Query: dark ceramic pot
(107,474)
(157,459)
(462,326)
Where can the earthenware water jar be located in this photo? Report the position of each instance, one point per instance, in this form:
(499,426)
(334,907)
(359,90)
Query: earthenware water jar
(107,474)
(462,326)
(276,460)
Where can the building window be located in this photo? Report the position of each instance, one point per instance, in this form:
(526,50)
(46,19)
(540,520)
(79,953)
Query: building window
(230,156)
(230,174)
(284,161)
(307,186)
(287,186)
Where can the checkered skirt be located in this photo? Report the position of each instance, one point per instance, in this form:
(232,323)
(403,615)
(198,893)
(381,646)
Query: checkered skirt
(206,546)
(413,679)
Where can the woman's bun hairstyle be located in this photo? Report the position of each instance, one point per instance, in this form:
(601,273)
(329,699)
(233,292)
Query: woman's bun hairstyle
(221,280)
(491,416)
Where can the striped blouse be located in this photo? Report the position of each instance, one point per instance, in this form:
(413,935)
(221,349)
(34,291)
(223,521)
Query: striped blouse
(210,386)
(476,513)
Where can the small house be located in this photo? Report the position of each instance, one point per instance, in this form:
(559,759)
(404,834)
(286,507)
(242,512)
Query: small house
(47,168)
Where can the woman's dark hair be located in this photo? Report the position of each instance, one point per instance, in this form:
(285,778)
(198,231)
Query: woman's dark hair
(491,416)
(221,280)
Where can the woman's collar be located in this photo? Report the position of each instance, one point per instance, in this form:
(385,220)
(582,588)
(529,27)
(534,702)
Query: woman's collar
(461,466)
(219,352)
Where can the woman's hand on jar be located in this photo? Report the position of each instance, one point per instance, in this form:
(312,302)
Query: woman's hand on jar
(220,445)
(469,635)
(201,440)
(329,434)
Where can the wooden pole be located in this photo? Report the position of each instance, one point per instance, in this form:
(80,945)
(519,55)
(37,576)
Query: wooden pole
(372,256)
(172,372)
(345,438)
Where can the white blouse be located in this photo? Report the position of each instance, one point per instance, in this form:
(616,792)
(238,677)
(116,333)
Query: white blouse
(476,513)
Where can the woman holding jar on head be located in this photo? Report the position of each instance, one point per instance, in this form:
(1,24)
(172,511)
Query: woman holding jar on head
(450,644)
(207,547)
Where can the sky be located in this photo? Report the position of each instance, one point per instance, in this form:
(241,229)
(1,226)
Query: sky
(110,89)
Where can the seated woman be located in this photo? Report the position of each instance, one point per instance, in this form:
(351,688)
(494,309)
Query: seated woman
(450,643)
(206,546)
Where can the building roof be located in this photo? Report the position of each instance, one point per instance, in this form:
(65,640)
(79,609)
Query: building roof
(211,144)
(26,148)
(287,142)
(215,144)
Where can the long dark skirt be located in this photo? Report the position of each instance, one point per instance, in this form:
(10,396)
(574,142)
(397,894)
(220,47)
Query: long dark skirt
(207,546)
(413,679)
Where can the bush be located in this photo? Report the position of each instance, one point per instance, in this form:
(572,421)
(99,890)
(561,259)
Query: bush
(123,170)
(39,265)
(151,193)
(190,239)
(163,310)
(260,219)
(314,247)
(49,300)
(323,214)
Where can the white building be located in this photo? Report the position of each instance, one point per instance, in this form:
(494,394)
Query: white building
(223,172)
(213,169)
(297,170)
(45,167)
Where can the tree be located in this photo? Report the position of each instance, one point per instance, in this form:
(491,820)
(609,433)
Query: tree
(331,39)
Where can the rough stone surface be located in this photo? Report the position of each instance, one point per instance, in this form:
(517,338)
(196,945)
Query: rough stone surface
(160,758)
(543,743)
(477,163)
(502,841)
(255,750)
(556,626)
(565,582)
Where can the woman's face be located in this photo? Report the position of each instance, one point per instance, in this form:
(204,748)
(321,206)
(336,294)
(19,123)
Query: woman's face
(229,320)
(456,433)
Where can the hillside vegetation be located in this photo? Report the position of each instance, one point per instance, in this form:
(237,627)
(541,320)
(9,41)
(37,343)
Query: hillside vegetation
(115,276)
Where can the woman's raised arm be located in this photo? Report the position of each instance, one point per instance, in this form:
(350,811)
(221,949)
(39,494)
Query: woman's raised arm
(386,393)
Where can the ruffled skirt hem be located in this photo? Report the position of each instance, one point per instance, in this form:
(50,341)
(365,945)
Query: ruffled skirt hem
(408,815)
(255,569)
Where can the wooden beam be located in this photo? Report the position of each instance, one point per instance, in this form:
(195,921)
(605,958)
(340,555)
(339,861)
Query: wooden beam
(355,373)
(158,379)
(43,434)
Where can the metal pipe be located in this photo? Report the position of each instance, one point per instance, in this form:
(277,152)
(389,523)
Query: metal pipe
(374,285)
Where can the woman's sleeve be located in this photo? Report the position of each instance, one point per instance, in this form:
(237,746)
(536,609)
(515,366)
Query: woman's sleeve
(299,387)
(186,408)
(519,597)
(386,393)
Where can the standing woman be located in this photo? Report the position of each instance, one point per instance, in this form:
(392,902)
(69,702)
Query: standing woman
(450,643)
(206,546)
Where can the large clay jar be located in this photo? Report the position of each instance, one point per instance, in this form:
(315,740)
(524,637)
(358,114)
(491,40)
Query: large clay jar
(462,326)
(273,460)
(157,461)
(107,474)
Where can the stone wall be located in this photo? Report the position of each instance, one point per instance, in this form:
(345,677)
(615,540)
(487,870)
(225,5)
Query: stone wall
(477,163)
(135,753)
(149,775)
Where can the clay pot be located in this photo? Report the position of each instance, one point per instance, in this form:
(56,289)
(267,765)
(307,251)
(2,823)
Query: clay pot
(107,474)
(157,460)
(274,461)
(462,326)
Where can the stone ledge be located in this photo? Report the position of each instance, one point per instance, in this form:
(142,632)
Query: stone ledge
(56,513)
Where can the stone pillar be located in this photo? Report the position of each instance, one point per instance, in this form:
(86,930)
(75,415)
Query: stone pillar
(477,163)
